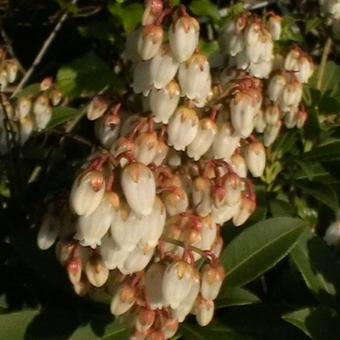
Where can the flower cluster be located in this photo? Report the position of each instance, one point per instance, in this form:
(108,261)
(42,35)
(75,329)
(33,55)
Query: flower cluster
(143,225)
(27,113)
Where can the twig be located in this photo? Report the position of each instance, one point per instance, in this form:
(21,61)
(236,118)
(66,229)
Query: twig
(181,244)
(43,50)
(322,69)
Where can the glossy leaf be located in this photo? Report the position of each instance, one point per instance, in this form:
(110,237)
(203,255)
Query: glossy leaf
(326,153)
(214,331)
(30,90)
(86,76)
(61,115)
(205,8)
(321,192)
(318,323)
(235,296)
(259,248)
(318,267)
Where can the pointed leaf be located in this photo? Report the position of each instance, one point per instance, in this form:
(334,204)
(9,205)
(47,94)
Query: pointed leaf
(215,331)
(61,115)
(318,267)
(235,296)
(318,323)
(259,248)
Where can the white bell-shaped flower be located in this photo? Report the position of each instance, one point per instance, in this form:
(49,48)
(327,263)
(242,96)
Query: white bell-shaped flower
(182,311)
(87,192)
(97,107)
(183,37)
(238,165)
(105,132)
(194,77)
(139,187)
(178,279)
(182,128)
(203,140)
(154,224)
(246,208)
(274,26)
(164,102)
(276,86)
(113,256)
(225,142)
(163,67)
(137,259)
(127,228)
(271,133)
(23,107)
(91,228)
(201,196)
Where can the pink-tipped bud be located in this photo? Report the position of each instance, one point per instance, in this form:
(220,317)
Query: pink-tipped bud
(204,311)
(255,156)
(97,107)
(96,271)
(145,319)
(211,281)
(150,41)
(123,299)
(46,84)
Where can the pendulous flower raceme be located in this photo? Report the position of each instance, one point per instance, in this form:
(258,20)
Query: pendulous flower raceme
(143,224)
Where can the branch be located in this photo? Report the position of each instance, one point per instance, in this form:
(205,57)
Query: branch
(43,51)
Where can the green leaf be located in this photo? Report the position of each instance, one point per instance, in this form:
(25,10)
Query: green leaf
(28,91)
(129,16)
(331,81)
(321,192)
(235,296)
(326,153)
(85,76)
(215,331)
(318,323)
(61,115)
(290,30)
(208,48)
(312,24)
(280,208)
(205,8)
(318,267)
(259,248)
(59,324)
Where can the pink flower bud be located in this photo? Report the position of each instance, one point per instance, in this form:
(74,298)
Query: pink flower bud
(255,156)
(169,327)
(211,281)
(175,200)
(201,193)
(42,112)
(161,153)
(274,25)
(46,84)
(276,86)
(146,147)
(153,10)
(183,37)
(271,133)
(139,188)
(246,208)
(163,67)
(163,102)
(272,114)
(12,70)
(291,95)
(156,335)
(74,269)
(238,165)
(56,96)
(97,107)
(96,271)
(145,319)
(105,132)
(123,300)
(232,186)
(204,310)
(87,192)
(182,128)
(150,41)
(48,231)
